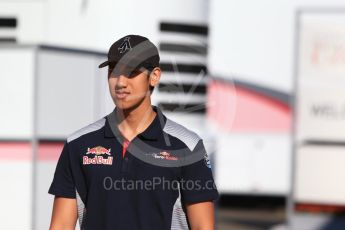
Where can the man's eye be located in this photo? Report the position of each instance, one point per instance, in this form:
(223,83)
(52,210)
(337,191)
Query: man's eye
(134,73)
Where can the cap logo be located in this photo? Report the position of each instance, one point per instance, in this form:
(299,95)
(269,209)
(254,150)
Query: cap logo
(126,45)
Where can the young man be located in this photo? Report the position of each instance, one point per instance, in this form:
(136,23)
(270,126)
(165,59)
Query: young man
(134,168)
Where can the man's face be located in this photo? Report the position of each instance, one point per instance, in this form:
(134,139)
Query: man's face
(128,88)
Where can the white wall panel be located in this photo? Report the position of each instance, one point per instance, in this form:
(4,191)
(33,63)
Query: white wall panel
(97,25)
(31,19)
(103,102)
(253,163)
(66,85)
(254,40)
(16,92)
(321,117)
(319,151)
(319,172)
(16,194)
(321,97)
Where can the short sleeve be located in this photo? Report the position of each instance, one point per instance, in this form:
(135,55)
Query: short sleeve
(197,183)
(63,183)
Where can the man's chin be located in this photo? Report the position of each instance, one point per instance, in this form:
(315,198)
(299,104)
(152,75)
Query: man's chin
(124,105)
(128,105)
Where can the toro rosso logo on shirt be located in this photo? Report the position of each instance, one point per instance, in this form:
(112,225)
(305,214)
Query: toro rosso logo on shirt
(164,156)
(98,158)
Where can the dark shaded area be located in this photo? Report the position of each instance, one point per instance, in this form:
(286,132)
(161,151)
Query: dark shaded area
(183,28)
(51,141)
(8,39)
(323,143)
(183,68)
(244,212)
(337,223)
(8,22)
(252,201)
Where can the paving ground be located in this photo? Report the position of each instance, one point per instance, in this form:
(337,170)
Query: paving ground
(252,213)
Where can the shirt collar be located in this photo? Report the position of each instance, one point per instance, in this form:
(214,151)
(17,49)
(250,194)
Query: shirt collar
(152,132)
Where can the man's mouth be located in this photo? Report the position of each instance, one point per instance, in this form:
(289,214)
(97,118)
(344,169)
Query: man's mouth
(121,94)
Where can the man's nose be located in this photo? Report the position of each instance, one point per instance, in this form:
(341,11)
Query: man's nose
(121,81)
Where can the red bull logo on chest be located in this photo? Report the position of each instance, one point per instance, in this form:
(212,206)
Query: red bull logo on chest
(99,152)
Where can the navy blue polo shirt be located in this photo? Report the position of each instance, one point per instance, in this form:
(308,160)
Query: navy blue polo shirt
(141,184)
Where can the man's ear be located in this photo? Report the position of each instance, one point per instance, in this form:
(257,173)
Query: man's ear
(155,76)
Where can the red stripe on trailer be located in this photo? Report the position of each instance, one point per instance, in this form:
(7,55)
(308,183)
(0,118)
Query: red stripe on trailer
(320,208)
(240,109)
(16,151)
(49,151)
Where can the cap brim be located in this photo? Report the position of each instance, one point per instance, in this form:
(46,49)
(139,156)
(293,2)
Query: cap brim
(106,63)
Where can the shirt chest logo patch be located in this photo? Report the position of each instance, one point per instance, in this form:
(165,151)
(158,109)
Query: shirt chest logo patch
(207,161)
(98,153)
(98,150)
(164,156)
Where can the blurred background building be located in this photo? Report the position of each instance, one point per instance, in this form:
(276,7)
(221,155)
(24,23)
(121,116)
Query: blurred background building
(261,81)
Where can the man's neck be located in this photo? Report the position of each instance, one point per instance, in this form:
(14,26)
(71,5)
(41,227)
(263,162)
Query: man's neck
(132,122)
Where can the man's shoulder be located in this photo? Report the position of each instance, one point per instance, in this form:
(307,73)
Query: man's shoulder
(183,134)
(88,129)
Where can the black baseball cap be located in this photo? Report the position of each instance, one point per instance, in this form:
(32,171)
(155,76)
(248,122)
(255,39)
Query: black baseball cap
(134,52)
